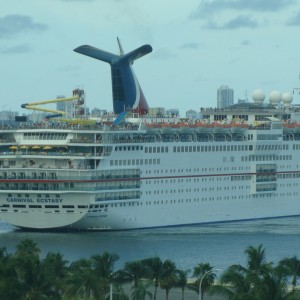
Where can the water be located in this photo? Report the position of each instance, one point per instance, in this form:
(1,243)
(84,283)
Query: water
(220,244)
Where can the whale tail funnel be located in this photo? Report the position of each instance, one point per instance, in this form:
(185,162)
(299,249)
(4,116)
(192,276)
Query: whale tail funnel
(127,93)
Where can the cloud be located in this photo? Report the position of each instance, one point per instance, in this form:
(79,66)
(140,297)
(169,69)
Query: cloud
(245,43)
(162,54)
(208,8)
(194,46)
(295,21)
(15,50)
(12,25)
(236,23)
(240,22)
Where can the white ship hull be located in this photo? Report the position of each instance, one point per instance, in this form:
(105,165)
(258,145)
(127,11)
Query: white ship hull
(132,179)
(144,171)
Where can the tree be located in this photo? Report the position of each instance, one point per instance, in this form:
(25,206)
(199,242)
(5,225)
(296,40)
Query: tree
(132,272)
(205,275)
(234,284)
(56,269)
(182,277)
(102,270)
(292,266)
(258,280)
(80,279)
(168,277)
(154,271)
(31,272)
(9,284)
(140,292)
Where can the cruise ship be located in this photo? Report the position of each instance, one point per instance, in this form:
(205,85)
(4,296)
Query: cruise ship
(141,171)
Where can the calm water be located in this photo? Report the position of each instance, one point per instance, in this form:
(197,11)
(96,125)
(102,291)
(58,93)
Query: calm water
(221,245)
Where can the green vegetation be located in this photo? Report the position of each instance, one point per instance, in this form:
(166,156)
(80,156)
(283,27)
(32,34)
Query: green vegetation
(25,276)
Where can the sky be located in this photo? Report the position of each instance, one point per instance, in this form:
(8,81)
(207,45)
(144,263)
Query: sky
(198,45)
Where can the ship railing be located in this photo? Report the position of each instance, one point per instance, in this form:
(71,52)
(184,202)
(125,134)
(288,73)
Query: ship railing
(104,153)
(65,126)
(3,141)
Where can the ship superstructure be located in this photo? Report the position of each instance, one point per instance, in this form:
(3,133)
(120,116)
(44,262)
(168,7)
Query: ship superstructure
(138,171)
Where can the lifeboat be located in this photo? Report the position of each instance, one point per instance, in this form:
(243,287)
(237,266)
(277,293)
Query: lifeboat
(153,128)
(167,128)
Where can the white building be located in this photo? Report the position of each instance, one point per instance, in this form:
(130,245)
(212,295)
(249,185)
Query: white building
(224,96)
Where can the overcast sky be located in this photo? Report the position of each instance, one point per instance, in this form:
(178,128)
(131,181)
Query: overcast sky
(198,45)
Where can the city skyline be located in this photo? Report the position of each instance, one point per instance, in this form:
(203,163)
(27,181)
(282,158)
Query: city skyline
(197,46)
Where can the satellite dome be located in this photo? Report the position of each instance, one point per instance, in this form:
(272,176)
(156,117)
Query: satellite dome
(258,96)
(287,98)
(275,97)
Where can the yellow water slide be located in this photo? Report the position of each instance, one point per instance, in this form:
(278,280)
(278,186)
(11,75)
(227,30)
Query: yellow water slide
(33,105)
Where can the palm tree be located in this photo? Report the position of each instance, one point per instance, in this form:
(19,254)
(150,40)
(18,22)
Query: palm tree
(168,278)
(133,272)
(31,272)
(154,270)
(182,277)
(118,293)
(27,248)
(140,292)
(256,261)
(10,287)
(234,284)
(80,279)
(272,285)
(205,275)
(259,280)
(56,272)
(102,268)
(292,266)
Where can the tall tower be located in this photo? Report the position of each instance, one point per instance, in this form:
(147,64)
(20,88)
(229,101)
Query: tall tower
(224,96)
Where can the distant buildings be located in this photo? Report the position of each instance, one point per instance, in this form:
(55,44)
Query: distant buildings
(8,115)
(224,96)
(157,111)
(174,112)
(66,106)
(192,114)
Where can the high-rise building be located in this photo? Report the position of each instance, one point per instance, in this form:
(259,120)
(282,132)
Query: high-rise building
(224,96)
(67,107)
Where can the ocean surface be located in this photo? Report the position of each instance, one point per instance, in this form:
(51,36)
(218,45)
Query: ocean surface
(221,245)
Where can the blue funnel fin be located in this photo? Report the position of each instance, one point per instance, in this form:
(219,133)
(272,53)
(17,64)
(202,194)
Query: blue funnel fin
(96,53)
(127,93)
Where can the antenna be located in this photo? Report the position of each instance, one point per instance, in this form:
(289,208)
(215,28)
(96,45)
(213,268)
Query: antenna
(120,47)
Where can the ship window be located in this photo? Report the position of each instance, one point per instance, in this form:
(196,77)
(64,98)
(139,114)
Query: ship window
(19,206)
(35,206)
(51,206)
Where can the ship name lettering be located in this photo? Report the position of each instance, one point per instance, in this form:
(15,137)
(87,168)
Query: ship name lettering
(19,200)
(49,200)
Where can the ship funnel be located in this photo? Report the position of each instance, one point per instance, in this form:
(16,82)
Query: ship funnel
(127,93)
